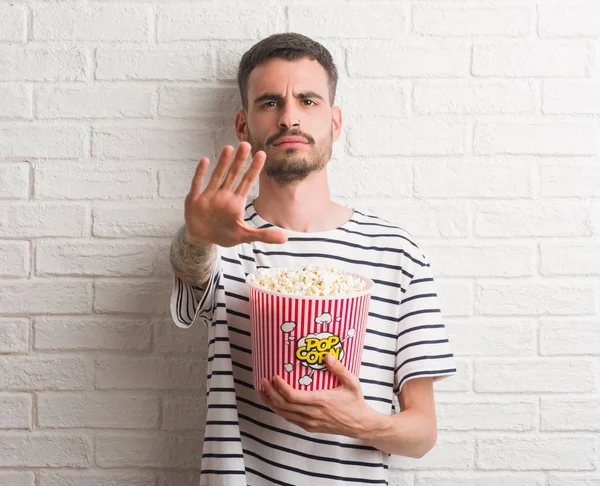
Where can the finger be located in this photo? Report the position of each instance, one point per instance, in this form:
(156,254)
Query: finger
(338,369)
(275,398)
(220,169)
(272,397)
(266,235)
(236,168)
(251,175)
(306,423)
(198,179)
(278,399)
(294,396)
(265,398)
(296,417)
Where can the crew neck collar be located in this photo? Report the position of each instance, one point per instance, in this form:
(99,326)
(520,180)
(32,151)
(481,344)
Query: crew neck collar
(255,219)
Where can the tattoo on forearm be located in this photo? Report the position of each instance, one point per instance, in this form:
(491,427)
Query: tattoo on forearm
(192,263)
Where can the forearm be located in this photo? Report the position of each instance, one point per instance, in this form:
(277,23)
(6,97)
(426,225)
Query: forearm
(407,433)
(193,263)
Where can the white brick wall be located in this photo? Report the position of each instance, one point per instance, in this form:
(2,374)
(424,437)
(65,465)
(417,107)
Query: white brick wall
(473,124)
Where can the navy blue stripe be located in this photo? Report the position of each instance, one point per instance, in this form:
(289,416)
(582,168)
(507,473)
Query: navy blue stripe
(305,438)
(243,383)
(249,218)
(190,300)
(239,331)
(311,473)
(231,260)
(240,348)
(381,235)
(422,311)
(219,373)
(178,305)
(235,279)
(378,399)
(219,472)
(418,328)
(333,257)
(421,358)
(382,334)
(375,382)
(219,339)
(361,247)
(414,297)
(239,314)
(220,389)
(389,284)
(212,283)
(237,296)
(385,318)
(224,456)
(362,223)
(379,367)
(253,404)
(420,343)
(222,439)
(382,351)
(386,301)
(268,478)
(310,456)
(240,365)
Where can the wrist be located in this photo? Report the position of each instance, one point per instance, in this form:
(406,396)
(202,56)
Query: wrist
(199,242)
(372,427)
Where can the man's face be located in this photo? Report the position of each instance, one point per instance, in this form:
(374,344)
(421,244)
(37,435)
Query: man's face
(291,99)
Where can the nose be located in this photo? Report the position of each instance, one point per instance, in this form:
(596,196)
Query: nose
(288,123)
(288,119)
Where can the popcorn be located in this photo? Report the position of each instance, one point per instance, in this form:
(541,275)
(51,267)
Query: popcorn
(308,281)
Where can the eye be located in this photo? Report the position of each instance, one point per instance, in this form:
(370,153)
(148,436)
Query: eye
(269,104)
(309,101)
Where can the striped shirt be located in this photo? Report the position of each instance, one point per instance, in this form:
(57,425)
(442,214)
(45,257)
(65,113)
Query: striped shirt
(245,443)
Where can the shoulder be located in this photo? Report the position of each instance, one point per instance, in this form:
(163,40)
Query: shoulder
(374,226)
(388,237)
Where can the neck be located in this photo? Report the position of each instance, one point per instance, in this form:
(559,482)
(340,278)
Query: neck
(305,206)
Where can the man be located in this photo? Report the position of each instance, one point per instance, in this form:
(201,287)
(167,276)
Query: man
(285,436)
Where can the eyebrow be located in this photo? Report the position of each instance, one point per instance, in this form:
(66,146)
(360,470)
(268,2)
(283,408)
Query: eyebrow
(278,97)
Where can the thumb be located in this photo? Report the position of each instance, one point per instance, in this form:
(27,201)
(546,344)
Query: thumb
(338,369)
(269,236)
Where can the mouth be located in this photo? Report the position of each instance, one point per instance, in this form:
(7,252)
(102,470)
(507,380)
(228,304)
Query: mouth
(290,144)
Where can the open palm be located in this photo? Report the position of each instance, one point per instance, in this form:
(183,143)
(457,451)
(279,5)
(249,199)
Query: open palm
(216,214)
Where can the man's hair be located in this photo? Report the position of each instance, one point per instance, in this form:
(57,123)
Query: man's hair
(288,46)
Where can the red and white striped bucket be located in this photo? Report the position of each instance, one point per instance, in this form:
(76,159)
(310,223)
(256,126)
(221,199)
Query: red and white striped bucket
(291,335)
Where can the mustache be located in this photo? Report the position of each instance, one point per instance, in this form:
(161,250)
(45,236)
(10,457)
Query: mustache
(290,133)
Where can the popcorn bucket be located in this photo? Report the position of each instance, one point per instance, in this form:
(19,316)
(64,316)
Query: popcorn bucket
(291,335)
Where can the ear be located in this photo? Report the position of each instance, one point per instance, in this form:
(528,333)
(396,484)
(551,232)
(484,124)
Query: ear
(241,125)
(336,122)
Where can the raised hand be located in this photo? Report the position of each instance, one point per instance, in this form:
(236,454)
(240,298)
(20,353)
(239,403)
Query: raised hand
(216,215)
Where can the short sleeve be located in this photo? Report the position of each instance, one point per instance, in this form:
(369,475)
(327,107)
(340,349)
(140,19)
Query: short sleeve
(191,303)
(423,348)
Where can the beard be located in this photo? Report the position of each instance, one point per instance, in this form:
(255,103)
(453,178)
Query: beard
(290,166)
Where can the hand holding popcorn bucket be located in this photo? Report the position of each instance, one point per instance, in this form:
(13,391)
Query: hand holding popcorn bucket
(297,316)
